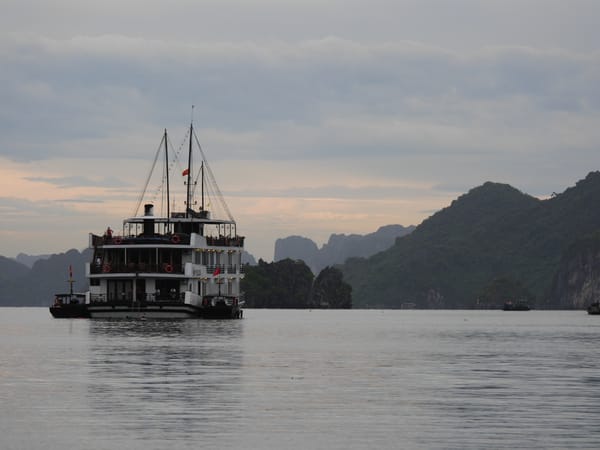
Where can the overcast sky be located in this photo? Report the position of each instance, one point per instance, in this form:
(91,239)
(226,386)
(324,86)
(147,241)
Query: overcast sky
(318,117)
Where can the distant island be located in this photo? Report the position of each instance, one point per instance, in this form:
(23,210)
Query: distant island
(491,245)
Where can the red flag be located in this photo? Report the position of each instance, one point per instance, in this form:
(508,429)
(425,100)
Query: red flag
(185,172)
(217,271)
(70,271)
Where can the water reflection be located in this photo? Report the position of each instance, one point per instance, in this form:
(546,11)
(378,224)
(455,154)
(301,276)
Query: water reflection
(164,379)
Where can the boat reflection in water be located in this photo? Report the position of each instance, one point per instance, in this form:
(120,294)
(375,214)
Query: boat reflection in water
(163,378)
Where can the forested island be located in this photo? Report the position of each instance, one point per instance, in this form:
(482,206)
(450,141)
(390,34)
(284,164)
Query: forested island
(291,284)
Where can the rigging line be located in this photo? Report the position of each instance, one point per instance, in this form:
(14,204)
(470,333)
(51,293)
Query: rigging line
(213,181)
(141,198)
(178,152)
(218,193)
(175,159)
(159,191)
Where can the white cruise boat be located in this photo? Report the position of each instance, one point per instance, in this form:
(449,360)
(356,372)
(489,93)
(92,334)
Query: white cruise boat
(177,264)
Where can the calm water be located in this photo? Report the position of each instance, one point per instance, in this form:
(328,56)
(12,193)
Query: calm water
(302,380)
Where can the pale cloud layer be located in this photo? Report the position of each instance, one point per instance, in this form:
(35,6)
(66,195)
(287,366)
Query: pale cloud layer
(318,117)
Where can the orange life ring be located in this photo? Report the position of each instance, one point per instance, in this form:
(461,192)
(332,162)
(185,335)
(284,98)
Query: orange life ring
(118,240)
(106,268)
(168,268)
(175,239)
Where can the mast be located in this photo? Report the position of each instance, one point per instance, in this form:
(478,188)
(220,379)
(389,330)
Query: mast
(189,173)
(167,170)
(71,281)
(202,184)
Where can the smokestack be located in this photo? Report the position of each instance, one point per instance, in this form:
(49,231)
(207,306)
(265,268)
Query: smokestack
(148,222)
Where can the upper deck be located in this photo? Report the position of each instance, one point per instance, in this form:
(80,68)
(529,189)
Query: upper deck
(195,229)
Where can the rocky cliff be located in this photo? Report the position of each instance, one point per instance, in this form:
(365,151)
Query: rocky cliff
(577,281)
(339,247)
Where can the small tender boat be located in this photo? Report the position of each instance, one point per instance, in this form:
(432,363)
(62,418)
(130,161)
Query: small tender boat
(71,305)
(222,307)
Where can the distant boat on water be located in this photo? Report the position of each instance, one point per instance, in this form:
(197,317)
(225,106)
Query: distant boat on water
(594,308)
(516,306)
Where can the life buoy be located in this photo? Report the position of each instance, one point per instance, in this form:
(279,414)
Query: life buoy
(168,268)
(175,239)
(106,268)
(117,240)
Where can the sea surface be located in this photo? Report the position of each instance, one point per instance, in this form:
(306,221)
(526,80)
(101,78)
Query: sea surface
(299,379)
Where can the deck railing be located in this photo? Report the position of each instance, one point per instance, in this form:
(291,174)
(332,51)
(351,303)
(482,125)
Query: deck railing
(166,239)
(126,299)
(166,268)
(107,268)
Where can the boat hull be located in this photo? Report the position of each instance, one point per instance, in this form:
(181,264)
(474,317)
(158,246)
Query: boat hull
(515,307)
(227,312)
(69,311)
(180,311)
(109,311)
(594,309)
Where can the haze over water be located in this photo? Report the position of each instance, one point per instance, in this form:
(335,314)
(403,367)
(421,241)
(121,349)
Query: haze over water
(302,379)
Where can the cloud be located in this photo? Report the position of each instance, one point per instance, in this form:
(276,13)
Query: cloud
(79,181)
(324,97)
(334,192)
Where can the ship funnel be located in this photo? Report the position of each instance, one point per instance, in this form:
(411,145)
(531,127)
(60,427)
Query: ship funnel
(148,223)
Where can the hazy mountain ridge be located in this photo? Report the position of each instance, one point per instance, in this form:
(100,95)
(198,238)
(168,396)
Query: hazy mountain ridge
(29,260)
(493,231)
(37,286)
(339,247)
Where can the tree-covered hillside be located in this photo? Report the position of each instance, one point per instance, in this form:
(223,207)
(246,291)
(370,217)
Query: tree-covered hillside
(291,284)
(494,231)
